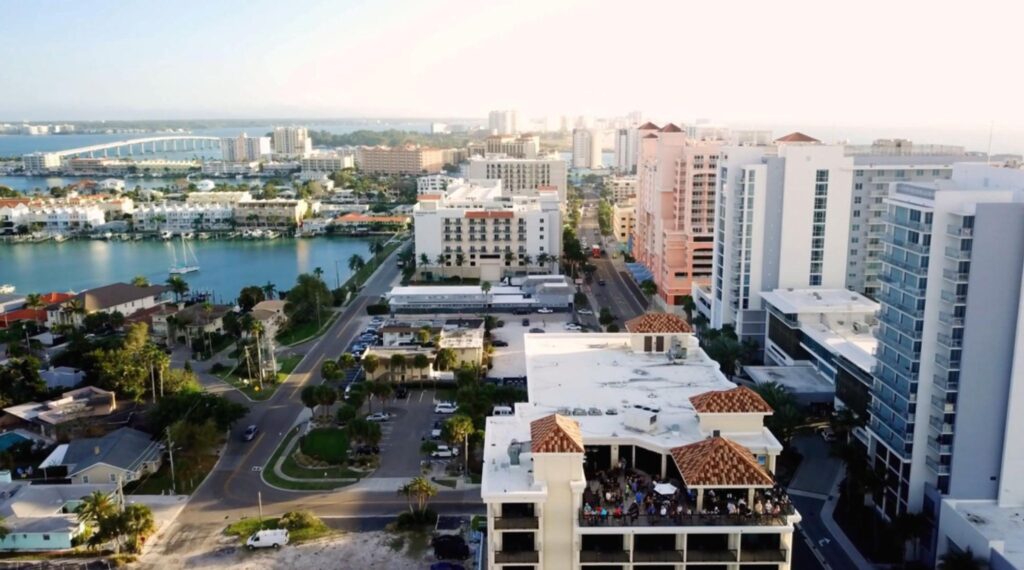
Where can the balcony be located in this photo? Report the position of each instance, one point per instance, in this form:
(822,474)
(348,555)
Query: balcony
(943,382)
(919,226)
(668,556)
(762,555)
(959,231)
(890,259)
(711,556)
(948,341)
(951,297)
(947,362)
(908,245)
(950,320)
(516,557)
(516,523)
(687,520)
(936,467)
(958,254)
(600,556)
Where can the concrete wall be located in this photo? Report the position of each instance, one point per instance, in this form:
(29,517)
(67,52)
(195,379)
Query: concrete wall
(990,336)
(37,541)
(556,538)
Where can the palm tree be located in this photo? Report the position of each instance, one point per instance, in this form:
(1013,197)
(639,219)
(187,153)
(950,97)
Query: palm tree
(309,398)
(421,362)
(527,261)
(543,259)
(256,329)
(419,490)
(485,287)
(72,309)
(269,290)
(440,259)
(4,529)
(140,281)
(509,258)
(34,301)
(397,362)
(356,262)
(445,359)
(377,247)
(137,524)
(318,272)
(326,396)
(961,560)
(178,286)
(370,364)
(912,527)
(424,259)
(460,258)
(95,507)
(456,431)
(347,361)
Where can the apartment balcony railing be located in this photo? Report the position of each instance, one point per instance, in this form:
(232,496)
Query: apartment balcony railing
(903,264)
(943,381)
(951,297)
(762,555)
(942,406)
(893,282)
(516,523)
(940,448)
(908,245)
(948,341)
(958,254)
(940,426)
(711,556)
(936,467)
(949,320)
(959,231)
(891,298)
(955,276)
(516,557)
(949,363)
(904,327)
(667,556)
(919,226)
(686,520)
(600,556)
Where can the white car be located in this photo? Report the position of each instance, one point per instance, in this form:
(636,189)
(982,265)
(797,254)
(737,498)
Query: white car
(443,451)
(275,538)
(445,408)
(378,417)
(573,327)
(544,310)
(585,312)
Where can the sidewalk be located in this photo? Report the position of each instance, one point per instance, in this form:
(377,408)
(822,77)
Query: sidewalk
(837,533)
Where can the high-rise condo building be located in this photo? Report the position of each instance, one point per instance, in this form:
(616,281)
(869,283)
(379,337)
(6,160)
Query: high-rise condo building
(244,148)
(675,209)
(782,220)
(521,146)
(292,141)
(633,451)
(586,148)
(947,400)
(503,122)
(407,159)
(474,229)
(521,176)
(626,148)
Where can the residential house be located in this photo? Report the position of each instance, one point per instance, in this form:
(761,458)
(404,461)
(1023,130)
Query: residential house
(42,517)
(123,298)
(123,455)
(405,372)
(62,377)
(271,314)
(47,418)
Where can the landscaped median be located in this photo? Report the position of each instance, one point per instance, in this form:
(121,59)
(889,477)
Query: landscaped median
(318,463)
(252,389)
(302,526)
(304,332)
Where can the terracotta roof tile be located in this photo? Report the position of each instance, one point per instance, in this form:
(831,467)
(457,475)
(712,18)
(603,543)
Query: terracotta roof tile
(555,434)
(658,323)
(651,136)
(797,137)
(739,400)
(718,462)
(671,128)
(648,126)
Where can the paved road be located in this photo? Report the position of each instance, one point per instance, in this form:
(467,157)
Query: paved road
(620,296)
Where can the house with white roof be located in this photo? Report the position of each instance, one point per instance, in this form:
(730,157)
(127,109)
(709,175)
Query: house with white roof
(42,517)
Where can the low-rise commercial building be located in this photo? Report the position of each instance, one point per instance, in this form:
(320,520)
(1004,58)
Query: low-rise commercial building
(521,176)
(624,222)
(178,218)
(226,197)
(534,292)
(277,213)
(224,168)
(621,188)
(611,411)
(482,232)
(327,162)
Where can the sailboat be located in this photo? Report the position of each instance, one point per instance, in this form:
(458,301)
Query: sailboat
(189,262)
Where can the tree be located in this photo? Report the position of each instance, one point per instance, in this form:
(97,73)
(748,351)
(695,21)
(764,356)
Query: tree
(363,431)
(421,362)
(310,398)
(440,261)
(95,507)
(485,288)
(649,288)
(195,442)
(460,258)
(419,490)
(347,361)
(250,296)
(269,290)
(688,307)
(356,262)
(370,364)
(960,560)
(345,414)
(544,258)
(179,287)
(377,247)
(424,259)
(396,363)
(456,431)
(326,396)
(318,272)
(605,317)
(196,407)
(424,335)
(125,370)
(136,524)
(912,527)
(382,391)
(307,301)
(330,370)
(786,416)
(72,310)
(34,301)
(445,359)
(140,281)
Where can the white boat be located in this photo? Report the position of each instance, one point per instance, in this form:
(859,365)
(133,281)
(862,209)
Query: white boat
(271,234)
(253,234)
(189,262)
(187,235)
(102,235)
(6,289)
(166,235)
(204,235)
(59,238)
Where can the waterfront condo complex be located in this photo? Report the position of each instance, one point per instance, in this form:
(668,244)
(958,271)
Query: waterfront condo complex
(633,451)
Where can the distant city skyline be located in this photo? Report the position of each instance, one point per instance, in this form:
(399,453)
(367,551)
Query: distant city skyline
(113,59)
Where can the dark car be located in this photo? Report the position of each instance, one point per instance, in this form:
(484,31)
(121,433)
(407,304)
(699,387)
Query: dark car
(526,322)
(401,392)
(446,566)
(600,282)
(250,433)
(536,330)
(499,343)
(450,547)
(366,450)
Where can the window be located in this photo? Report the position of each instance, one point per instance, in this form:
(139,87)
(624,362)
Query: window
(85,479)
(113,478)
(46,537)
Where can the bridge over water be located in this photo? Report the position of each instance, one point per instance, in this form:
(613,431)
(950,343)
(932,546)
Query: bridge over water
(169,143)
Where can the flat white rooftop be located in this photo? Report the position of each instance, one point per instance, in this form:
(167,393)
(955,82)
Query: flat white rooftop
(997,525)
(856,345)
(796,301)
(801,379)
(586,376)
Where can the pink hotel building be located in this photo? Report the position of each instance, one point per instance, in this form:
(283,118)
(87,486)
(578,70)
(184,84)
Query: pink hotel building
(675,209)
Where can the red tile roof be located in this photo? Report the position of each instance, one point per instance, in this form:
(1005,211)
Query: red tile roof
(718,462)
(648,126)
(797,137)
(658,323)
(651,136)
(11,317)
(739,400)
(671,128)
(357,218)
(430,196)
(476,215)
(555,434)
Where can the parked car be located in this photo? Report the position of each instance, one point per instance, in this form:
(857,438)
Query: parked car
(545,311)
(435,433)
(572,327)
(827,434)
(275,538)
(585,312)
(445,408)
(444,452)
(526,322)
(536,330)
(601,282)
(450,547)
(250,433)
(401,392)
(366,450)
(498,343)
(378,417)
(446,566)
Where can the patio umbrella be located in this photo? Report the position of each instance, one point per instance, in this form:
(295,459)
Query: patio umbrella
(665,489)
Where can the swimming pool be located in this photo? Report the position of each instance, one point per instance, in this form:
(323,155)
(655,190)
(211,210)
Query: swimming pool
(10,438)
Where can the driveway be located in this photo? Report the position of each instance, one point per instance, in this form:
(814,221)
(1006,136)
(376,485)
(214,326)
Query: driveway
(402,436)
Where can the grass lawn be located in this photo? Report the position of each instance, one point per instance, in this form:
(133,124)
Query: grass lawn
(245,528)
(287,364)
(304,332)
(313,477)
(326,444)
(236,377)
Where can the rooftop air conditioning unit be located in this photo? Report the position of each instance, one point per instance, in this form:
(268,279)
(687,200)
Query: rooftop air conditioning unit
(641,419)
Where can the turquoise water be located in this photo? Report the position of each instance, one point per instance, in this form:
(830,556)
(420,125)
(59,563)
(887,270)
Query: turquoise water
(225,265)
(10,438)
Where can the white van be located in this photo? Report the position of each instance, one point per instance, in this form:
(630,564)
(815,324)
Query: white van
(268,538)
(501,411)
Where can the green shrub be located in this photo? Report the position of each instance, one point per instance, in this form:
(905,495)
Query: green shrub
(416,519)
(295,520)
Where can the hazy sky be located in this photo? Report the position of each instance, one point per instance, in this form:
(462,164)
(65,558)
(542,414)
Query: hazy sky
(862,63)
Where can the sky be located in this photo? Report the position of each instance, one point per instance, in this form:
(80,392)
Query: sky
(931,64)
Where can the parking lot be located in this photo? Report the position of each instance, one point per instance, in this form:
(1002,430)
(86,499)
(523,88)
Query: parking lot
(401,436)
(509,361)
